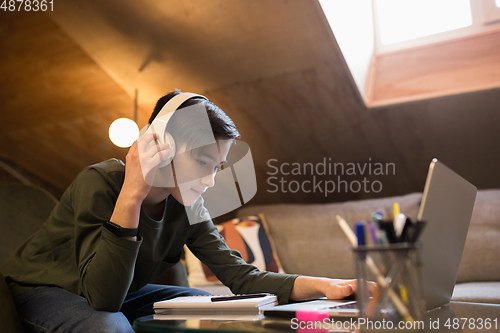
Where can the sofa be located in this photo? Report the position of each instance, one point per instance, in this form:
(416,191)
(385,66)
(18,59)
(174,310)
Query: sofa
(23,209)
(309,241)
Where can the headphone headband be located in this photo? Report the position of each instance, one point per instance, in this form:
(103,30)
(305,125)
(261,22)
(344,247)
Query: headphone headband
(159,123)
(175,102)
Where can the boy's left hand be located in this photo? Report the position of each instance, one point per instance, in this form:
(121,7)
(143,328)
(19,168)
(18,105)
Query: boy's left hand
(338,289)
(308,287)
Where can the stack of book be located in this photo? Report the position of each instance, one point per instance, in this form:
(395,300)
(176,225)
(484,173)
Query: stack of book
(239,307)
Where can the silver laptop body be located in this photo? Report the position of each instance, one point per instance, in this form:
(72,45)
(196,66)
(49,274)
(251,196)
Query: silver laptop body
(447,206)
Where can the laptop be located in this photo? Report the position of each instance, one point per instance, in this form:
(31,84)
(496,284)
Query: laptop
(447,204)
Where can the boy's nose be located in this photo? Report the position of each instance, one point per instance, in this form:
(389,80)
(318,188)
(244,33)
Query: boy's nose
(208,180)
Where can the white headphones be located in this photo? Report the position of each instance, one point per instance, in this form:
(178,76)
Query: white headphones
(159,124)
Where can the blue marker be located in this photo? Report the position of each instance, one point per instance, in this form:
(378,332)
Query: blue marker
(360,233)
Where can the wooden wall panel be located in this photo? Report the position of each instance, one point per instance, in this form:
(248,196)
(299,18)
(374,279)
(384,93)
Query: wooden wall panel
(56,104)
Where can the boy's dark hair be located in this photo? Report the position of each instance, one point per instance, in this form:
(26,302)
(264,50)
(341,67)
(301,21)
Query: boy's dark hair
(190,131)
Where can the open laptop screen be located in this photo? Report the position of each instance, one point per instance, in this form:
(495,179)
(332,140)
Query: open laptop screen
(447,205)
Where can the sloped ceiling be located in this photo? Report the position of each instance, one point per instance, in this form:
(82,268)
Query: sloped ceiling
(273,66)
(197,45)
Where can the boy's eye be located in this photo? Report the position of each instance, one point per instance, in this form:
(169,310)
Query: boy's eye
(203,163)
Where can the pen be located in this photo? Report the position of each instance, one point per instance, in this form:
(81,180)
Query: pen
(377,216)
(388,227)
(396,209)
(236,297)
(399,223)
(381,234)
(373,231)
(406,229)
(400,306)
(347,231)
(380,238)
(373,300)
(360,233)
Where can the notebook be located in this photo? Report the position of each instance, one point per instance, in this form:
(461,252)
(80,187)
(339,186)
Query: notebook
(204,315)
(204,304)
(447,204)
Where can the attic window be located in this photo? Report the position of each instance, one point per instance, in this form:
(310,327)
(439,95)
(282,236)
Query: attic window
(403,24)
(399,21)
(406,50)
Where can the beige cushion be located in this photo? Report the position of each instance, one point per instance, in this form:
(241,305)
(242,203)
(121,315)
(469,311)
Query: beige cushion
(479,292)
(308,239)
(480,260)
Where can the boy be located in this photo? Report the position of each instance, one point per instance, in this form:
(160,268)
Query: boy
(115,230)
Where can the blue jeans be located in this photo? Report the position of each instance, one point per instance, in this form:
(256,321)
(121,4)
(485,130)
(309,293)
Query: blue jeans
(53,309)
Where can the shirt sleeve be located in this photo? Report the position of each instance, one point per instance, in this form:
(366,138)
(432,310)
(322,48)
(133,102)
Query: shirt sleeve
(209,246)
(105,261)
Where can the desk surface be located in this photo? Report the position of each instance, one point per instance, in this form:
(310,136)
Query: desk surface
(455,317)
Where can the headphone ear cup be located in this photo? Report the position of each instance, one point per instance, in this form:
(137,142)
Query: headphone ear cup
(167,159)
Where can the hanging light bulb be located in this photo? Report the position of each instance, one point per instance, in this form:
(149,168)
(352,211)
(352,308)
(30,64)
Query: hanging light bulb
(124,131)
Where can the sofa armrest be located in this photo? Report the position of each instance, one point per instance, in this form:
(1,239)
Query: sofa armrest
(9,319)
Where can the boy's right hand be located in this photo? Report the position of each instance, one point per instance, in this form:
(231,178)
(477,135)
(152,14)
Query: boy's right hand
(142,163)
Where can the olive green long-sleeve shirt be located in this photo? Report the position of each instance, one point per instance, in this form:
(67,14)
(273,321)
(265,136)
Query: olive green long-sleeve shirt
(73,251)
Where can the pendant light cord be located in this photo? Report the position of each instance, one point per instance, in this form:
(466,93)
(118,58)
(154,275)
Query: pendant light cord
(135,105)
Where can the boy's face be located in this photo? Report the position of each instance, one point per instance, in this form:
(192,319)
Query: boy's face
(194,171)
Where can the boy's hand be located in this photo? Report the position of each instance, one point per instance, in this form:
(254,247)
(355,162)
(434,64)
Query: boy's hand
(338,289)
(307,287)
(141,165)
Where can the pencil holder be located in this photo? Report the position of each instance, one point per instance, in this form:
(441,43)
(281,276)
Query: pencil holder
(395,301)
